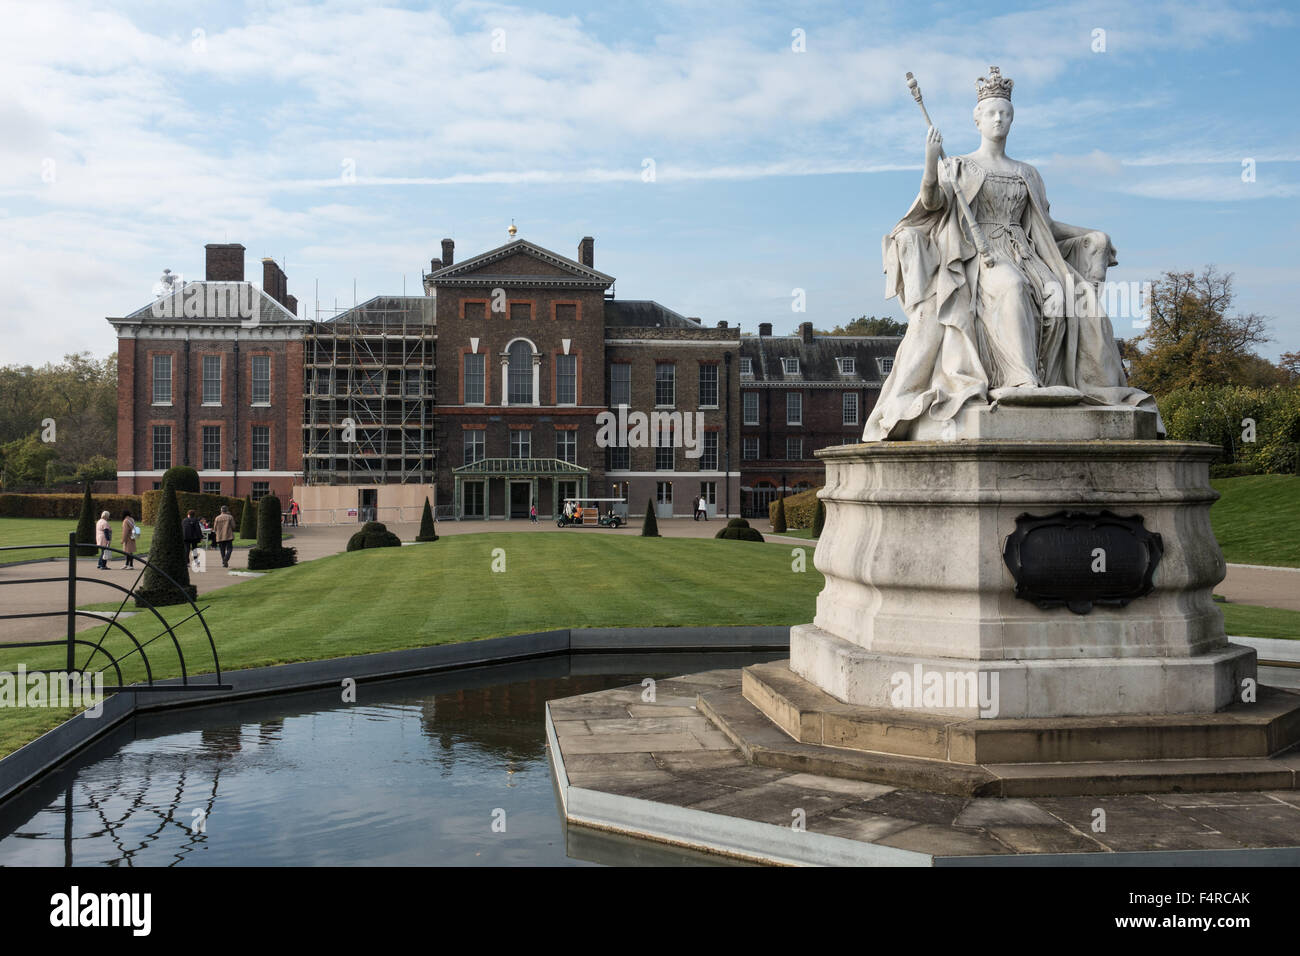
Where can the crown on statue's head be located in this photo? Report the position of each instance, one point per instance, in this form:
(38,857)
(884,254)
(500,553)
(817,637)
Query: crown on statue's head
(994,86)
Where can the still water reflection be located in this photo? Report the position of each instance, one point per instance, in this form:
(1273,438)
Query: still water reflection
(414,773)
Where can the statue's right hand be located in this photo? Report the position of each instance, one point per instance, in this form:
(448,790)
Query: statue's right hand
(933,147)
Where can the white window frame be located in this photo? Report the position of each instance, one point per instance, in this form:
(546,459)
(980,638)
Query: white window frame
(744,402)
(626,399)
(205,380)
(747,366)
(848,365)
(797,418)
(154,365)
(559,376)
(790,366)
(672,384)
(716,389)
(527,443)
(253,361)
(745,445)
(481,358)
(844,408)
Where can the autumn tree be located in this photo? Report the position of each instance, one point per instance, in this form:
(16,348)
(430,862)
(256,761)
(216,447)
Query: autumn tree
(1193,338)
(870,325)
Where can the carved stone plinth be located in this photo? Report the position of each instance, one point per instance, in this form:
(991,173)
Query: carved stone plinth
(917,583)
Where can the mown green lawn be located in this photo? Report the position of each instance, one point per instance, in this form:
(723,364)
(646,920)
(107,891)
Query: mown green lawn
(1248,620)
(460,588)
(1257,521)
(19,531)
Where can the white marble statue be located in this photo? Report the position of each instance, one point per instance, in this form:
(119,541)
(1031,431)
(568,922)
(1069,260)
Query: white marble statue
(1002,300)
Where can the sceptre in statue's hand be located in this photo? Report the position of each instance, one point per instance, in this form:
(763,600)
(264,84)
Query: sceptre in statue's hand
(930,180)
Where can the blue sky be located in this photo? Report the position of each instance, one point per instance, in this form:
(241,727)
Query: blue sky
(133,133)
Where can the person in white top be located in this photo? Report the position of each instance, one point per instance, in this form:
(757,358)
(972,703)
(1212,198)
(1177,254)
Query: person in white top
(104,539)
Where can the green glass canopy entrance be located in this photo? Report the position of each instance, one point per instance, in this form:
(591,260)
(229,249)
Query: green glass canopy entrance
(508,487)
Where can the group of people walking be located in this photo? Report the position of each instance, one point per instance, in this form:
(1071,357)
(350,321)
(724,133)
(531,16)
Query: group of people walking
(104,539)
(195,531)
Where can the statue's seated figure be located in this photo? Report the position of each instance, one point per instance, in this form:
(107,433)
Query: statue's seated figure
(1003,302)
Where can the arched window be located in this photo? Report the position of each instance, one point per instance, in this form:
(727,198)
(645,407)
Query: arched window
(521,373)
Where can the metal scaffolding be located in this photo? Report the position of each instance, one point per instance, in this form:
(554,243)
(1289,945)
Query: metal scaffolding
(368,382)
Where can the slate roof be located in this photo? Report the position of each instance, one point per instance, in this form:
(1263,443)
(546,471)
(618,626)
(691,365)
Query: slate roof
(389,310)
(817,361)
(225,296)
(645,313)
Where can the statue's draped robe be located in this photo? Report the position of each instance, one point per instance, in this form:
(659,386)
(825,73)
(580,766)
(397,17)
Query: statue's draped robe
(934,269)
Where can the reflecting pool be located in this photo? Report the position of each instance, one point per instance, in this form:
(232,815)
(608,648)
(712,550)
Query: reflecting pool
(448,769)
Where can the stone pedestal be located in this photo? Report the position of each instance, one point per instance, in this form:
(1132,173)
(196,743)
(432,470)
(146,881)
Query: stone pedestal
(916,582)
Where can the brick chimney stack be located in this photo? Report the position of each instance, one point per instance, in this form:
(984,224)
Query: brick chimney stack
(435,265)
(274,282)
(764,328)
(448,252)
(587,252)
(225,262)
(806,332)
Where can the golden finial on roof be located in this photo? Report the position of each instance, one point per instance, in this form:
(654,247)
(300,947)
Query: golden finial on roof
(512,230)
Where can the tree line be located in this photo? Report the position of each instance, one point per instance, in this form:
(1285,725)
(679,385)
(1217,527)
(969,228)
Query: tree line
(58,422)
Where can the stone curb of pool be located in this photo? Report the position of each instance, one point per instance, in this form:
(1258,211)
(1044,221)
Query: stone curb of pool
(43,754)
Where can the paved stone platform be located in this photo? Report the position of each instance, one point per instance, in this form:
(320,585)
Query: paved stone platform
(662,770)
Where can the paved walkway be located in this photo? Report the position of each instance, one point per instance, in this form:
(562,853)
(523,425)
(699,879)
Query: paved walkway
(1270,587)
(671,755)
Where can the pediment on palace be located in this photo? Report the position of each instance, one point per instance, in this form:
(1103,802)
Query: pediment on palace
(519,261)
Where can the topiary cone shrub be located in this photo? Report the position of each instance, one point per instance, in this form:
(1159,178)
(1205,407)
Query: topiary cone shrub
(248,519)
(650,527)
(819,519)
(738,529)
(373,534)
(86,526)
(269,553)
(168,558)
(778,522)
(183,477)
(427,531)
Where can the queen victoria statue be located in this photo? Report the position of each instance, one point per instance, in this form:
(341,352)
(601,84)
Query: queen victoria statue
(1002,301)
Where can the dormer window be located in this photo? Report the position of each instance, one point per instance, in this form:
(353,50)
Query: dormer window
(886,365)
(746,366)
(848,366)
(790,366)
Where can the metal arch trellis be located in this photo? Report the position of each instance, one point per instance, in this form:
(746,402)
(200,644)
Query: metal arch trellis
(72,642)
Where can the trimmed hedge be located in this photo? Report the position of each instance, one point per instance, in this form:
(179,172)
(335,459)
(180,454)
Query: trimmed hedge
(183,478)
(800,510)
(778,520)
(373,534)
(650,526)
(427,530)
(738,529)
(248,519)
(66,506)
(819,519)
(270,553)
(207,506)
(167,556)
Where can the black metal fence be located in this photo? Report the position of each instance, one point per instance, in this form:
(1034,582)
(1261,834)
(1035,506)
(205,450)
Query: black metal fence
(114,622)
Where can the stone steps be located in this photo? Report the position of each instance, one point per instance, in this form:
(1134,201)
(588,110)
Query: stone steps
(764,744)
(808,714)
